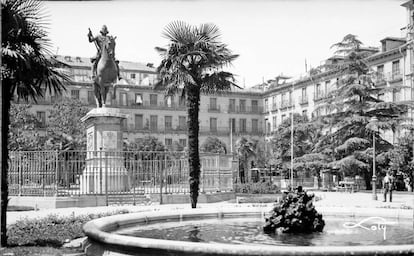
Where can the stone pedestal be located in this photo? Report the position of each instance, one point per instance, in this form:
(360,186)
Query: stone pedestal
(105,170)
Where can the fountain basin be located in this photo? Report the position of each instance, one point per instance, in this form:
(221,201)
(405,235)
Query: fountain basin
(102,240)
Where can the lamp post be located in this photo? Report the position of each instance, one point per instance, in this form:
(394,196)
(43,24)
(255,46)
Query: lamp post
(291,138)
(374,120)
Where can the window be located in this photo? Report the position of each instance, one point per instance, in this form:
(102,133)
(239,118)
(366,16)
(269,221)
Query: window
(138,122)
(242,104)
(396,95)
(91,97)
(124,124)
(182,142)
(255,125)
(327,83)
(181,102)
(274,123)
(267,126)
(232,105)
(169,101)
(232,124)
(284,99)
(213,104)
(153,99)
(318,91)
(274,105)
(74,94)
(168,142)
(182,122)
(168,122)
(266,105)
(242,125)
(153,123)
(283,117)
(304,97)
(132,76)
(123,99)
(41,116)
(213,124)
(380,71)
(395,69)
(138,99)
(255,106)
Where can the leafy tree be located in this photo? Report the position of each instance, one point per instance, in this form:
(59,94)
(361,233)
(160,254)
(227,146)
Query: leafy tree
(147,143)
(192,64)
(350,109)
(305,136)
(213,145)
(311,163)
(65,128)
(245,149)
(24,133)
(27,71)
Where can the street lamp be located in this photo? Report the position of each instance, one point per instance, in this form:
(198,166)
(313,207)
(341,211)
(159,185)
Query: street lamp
(374,121)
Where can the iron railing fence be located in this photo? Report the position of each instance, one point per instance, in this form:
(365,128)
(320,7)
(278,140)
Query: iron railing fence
(75,173)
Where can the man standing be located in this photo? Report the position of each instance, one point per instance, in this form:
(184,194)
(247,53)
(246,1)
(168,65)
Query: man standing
(99,40)
(387,185)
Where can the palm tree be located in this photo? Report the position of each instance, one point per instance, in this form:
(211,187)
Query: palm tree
(27,71)
(192,64)
(245,148)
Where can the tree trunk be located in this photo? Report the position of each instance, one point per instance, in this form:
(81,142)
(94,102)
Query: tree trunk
(193,101)
(4,154)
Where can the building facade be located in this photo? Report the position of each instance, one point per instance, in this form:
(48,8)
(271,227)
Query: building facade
(254,112)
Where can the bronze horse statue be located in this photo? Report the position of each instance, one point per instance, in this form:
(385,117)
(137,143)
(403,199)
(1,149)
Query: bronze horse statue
(106,72)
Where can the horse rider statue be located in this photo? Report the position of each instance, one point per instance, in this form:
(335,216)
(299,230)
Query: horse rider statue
(99,41)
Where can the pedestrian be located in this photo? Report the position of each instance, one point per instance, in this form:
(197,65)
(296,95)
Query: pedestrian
(387,185)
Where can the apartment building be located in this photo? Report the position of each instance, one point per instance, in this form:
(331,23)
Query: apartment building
(227,116)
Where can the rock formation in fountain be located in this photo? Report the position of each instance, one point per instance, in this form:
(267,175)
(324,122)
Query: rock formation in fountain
(295,214)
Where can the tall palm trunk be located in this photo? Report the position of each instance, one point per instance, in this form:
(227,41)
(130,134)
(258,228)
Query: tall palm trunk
(5,107)
(193,105)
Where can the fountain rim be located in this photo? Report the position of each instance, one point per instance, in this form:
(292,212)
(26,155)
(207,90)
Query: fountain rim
(98,230)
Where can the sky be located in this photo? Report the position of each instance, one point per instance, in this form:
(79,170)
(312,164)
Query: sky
(272,37)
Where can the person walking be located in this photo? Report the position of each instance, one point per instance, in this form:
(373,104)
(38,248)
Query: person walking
(387,185)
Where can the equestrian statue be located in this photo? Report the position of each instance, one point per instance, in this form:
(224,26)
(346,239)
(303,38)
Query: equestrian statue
(105,69)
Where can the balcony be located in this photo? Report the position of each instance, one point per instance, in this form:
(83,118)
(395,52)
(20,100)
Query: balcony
(319,96)
(244,110)
(213,108)
(158,105)
(225,131)
(160,130)
(286,104)
(383,78)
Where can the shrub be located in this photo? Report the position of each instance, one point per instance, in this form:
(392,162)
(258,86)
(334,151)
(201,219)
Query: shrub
(295,214)
(52,230)
(256,188)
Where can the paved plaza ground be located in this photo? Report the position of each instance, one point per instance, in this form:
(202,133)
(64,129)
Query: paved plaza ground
(401,200)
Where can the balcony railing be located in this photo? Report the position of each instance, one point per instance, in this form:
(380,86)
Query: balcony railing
(286,104)
(213,108)
(319,96)
(382,78)
(162,130)
(245,110)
